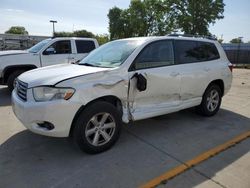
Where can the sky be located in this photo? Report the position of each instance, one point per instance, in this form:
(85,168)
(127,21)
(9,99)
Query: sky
(91,15)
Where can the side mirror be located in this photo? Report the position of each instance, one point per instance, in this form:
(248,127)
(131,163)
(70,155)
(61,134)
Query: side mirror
(141,82)
(49,51)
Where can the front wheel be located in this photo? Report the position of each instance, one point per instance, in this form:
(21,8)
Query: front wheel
(12,78)
(97,127)
(211,101)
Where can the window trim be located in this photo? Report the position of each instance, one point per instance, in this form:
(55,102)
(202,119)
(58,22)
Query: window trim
(196,41)
(77,40)
(71,49)
(132,65)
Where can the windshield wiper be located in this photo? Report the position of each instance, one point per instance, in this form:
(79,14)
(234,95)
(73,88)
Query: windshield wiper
(88,64)
(91,65)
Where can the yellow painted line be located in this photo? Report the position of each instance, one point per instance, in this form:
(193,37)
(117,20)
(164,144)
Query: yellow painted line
(202,157)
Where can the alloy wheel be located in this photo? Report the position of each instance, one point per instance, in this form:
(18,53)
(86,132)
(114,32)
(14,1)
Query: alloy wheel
(100,129)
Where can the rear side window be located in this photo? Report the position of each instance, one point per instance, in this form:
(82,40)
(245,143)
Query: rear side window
(156,54)
(84,46)
(195,51)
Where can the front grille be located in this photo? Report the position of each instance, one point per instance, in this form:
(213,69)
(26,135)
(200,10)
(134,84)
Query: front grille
(21,89)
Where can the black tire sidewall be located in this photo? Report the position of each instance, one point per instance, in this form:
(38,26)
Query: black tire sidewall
(203,106)
(79,136)
(12,77)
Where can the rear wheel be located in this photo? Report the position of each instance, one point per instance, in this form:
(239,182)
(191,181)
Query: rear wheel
(97,127)
(12,78)
(211,101)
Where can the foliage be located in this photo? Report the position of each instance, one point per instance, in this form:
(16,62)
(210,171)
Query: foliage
(194,17)
(63,34)
(116,25)
(142,18)
(78,33)
(236,40)
(160,17)
(103,38)
(17,30)
(83,33)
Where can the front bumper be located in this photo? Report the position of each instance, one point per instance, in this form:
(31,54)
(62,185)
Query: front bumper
(59,112)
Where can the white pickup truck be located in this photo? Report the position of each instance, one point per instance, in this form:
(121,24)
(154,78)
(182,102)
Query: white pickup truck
(47,52)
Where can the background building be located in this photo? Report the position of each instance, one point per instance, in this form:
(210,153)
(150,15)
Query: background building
(18,42)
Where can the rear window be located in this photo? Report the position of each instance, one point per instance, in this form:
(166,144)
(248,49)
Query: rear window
(84,46)
(195,51)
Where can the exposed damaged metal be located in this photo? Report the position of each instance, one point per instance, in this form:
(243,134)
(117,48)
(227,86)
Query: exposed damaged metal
(108,84)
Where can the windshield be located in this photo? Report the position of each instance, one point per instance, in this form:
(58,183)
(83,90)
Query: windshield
(38,46)
(112,54)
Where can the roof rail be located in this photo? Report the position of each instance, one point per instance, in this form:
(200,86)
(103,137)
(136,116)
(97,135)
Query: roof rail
(212,37)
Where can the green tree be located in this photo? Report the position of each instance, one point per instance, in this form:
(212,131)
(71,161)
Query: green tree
(160,17)
(78,33)
(83,33)
(17,30)
(102,39)
(116,23)
(63,34)
(236,41)
(136,19)
(194,17)
(142,18)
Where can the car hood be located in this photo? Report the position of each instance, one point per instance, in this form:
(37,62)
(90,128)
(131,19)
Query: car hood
(51,75)
(13,52)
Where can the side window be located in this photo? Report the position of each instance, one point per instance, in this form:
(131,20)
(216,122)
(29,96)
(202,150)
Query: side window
(84,46)
(186,51)
(59,47)
(208,51)
(156,54)
(194,51)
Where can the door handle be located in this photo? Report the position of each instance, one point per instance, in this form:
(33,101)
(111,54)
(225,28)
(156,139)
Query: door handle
(174,74)
(71,58)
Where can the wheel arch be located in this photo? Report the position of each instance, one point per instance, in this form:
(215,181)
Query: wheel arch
(109,98)
(10,69)
(218,82)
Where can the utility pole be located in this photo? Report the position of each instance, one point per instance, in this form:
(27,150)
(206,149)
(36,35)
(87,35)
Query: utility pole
(53,22)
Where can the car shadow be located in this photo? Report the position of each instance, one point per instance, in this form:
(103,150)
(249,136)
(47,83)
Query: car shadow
(146,149)
(5,96)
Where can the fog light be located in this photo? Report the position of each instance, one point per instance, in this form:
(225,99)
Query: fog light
(46,125)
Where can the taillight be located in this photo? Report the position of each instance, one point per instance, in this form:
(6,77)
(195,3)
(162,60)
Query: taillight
(230,66)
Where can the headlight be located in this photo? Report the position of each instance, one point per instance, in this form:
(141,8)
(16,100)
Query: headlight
(52,93)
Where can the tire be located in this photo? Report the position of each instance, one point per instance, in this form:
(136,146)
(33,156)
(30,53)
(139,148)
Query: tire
(211,101)
(97,127)
(12,77)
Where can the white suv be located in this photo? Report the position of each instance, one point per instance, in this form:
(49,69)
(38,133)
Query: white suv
(121,81)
